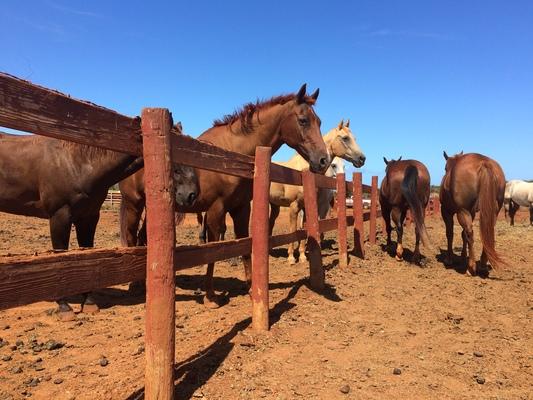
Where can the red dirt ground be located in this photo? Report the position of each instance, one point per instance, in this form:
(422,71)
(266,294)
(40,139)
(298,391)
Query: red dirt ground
(451,336)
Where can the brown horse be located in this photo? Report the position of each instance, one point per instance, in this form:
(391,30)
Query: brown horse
(66,183)
(405,186)
(288,119)
(473,182)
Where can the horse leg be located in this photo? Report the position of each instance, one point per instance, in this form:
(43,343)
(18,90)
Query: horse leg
(293,226)
(60,224)
(513,208)
(131,235)
(241,222)
(448,222)
(202,235)
(465,219)
(398,217)
(464,236)
(274,212)
(388,227)
(85,232)
(303,243)
(214,217)
(531,214)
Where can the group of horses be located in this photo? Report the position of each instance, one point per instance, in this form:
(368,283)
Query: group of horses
(67,183)
(472,183)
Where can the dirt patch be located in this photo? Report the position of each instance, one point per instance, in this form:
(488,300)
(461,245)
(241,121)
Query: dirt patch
(382,329)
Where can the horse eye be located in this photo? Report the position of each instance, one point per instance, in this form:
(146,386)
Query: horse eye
(302,121)
(346,138)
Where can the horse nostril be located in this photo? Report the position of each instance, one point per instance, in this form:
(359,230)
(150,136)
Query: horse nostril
(363,158)
(192,197)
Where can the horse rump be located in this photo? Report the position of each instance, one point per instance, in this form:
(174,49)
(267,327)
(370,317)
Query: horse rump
(409,188)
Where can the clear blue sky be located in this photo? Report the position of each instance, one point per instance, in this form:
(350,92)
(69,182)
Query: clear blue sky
(414,77)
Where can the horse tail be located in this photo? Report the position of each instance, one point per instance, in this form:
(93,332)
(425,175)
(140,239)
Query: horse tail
(488,212)
(410,193)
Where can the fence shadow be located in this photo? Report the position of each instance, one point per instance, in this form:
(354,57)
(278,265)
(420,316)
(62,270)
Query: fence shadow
(195,371)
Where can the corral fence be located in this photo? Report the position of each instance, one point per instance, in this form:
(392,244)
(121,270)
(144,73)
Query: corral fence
(31,108)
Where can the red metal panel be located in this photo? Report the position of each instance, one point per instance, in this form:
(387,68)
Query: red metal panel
(160,285)
(341,216)
(358,214)
(260,242)
(373,210)
(316,272)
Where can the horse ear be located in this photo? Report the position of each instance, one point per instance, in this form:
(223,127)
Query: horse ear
(340,124)
(300,96)
(461,153)
(445,155)
(347,123)
(399,158)
(314,96)
(386,162)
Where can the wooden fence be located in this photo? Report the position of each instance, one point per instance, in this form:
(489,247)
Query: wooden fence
(31,108)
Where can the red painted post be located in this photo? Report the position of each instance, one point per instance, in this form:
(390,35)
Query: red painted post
(260,236)
(373,210)
(358,225)
(341,220)
(160,284)
(314,255)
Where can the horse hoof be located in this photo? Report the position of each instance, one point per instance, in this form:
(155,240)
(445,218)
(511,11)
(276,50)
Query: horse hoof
(302,259)
(137,288)
(90,308)
(399,258)
(212,303)
(292,261)
(66,316)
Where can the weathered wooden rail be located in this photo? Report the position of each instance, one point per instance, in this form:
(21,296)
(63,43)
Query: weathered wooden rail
(31,108)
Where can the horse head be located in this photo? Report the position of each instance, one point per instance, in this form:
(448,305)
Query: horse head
(186,187)
(451,160)
(336,167)
(300,129)
(342,144)
(388,163)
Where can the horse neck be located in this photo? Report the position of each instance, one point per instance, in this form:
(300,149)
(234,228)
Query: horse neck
(329,139)
(265,132)
(106,167)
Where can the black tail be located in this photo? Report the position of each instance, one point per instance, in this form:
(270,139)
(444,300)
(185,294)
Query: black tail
(409,191)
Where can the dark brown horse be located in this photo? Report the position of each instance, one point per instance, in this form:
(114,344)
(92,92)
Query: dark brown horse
(66,183)
(288,119)
(405,186)
(473,182)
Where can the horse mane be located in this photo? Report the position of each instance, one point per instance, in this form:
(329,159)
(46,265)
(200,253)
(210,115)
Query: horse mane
(246,112)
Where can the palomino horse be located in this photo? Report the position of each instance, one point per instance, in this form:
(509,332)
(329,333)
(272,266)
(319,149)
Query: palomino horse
(405,186)
(67,183)
(472,182)
(519,193)
(340,142)
(288,119)
(291,196)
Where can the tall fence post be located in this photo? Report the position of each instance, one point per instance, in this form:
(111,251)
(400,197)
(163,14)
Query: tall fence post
(341,220)
(373,210)
(358,225)
(260,236)
(316,272)
(160,284)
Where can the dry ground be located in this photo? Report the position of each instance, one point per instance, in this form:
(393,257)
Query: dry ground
(448,335)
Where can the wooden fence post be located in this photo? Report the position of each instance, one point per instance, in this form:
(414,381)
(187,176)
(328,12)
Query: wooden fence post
(373,210)
(160,284)
(358,225)
(260,237)
(341,220)
(314,255)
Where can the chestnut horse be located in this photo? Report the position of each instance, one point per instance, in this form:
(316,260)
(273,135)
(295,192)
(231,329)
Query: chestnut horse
(288,119)
(472,182)
(66,183)
(405,186)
